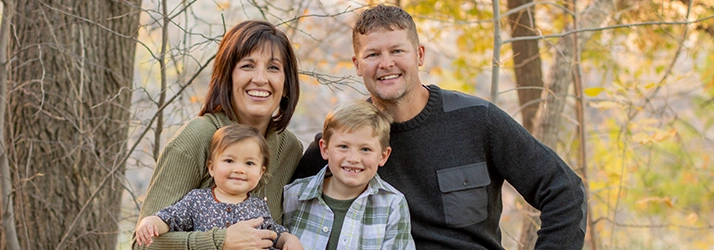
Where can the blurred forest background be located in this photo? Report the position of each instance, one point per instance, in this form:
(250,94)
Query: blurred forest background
(623,90)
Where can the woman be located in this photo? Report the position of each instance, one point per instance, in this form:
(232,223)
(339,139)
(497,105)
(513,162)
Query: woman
(254,82)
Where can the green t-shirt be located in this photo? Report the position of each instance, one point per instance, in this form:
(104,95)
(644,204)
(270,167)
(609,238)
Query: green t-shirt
(339,209)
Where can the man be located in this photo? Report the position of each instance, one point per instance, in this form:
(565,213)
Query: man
(451,152)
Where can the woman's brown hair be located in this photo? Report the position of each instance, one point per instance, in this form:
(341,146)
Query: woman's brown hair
(238,43)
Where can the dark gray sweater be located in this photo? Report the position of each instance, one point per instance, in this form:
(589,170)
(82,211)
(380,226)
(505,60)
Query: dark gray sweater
(451,160)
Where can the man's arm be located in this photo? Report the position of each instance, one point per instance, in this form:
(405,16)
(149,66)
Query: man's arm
(542,178)
(311,161)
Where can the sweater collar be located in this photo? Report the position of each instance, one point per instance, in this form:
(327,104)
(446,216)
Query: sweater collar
(432,105)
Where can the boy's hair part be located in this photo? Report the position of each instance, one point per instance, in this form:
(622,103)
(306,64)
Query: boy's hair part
(382,18)
(237,133)
(356,114)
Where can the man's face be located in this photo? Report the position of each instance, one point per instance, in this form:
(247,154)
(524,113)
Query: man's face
(388,61)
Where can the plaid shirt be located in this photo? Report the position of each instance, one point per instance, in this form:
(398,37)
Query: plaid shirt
(377,219)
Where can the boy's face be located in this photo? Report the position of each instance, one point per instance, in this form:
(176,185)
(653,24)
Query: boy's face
(388,61)
(353,158)
(237,170)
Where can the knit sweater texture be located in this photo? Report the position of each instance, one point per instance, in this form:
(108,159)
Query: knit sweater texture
(181,167)
(450,162)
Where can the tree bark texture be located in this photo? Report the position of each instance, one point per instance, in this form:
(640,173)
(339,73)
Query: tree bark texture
(69,97)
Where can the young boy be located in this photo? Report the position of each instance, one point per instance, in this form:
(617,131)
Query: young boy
(238,156)
(346,205)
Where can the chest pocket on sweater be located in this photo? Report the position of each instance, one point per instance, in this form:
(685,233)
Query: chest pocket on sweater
(463,191)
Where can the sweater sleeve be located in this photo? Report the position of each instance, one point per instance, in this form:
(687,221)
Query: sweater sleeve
(543,179)
(178,171)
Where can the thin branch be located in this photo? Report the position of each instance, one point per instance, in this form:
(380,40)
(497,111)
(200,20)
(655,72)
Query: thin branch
(496,61)
(162,70)
(607,28)
(8,212)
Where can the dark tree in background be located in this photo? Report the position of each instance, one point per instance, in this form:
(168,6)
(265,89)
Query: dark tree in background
(69,94)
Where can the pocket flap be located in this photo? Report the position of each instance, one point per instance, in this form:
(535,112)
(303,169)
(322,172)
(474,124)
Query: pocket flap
(463,177)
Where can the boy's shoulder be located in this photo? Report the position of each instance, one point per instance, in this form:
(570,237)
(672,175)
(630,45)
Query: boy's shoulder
(387,188)
(301,187)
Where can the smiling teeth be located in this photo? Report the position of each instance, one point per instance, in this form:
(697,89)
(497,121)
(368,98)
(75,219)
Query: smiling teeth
(258,93)
(353,170)
(388,77)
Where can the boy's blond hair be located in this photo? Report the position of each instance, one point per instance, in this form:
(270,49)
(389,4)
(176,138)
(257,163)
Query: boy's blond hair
(383,18)
(236,133)
(352,115)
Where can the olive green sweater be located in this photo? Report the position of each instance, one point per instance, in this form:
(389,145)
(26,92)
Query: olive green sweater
(182,167)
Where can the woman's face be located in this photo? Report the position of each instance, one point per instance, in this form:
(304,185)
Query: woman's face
(258,81)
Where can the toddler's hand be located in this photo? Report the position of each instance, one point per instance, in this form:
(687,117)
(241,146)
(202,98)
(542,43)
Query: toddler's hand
(147,230)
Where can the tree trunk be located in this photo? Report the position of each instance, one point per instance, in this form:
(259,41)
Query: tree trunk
(68,113)
(549,118)
(526,58)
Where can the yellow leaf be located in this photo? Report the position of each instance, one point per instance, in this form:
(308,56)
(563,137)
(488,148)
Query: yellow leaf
(224,5)
(603,105)
(296,46)
(649,85)
(661,136)
(593,91)
(194,99)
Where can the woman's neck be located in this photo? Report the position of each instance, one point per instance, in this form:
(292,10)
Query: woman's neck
(260,124)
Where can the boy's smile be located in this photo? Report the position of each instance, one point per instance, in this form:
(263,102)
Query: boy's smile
(353,158)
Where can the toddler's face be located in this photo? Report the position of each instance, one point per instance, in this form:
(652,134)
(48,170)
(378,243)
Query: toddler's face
(237,170)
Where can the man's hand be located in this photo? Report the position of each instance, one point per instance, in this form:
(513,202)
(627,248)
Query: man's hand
(245,235)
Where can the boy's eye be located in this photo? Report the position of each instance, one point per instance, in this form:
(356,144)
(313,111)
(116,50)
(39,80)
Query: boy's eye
(250,163)
(342,146)
(227,160)
(366,149)
(398,51)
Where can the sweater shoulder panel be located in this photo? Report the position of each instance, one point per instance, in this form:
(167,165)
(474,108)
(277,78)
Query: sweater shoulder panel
(454,100)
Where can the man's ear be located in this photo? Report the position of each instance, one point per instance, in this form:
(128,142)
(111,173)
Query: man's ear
(421,52)
(323,149)
(355,62)
(385,156)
